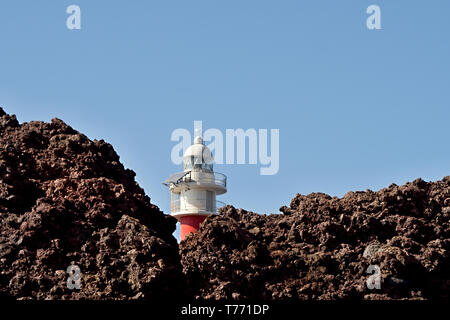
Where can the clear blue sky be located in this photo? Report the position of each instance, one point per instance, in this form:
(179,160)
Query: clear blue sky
(356,109)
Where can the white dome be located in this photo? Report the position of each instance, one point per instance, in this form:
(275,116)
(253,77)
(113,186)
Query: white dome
(198,156)
(198,140)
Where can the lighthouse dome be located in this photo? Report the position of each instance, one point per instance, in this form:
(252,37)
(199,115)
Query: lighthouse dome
(198,156)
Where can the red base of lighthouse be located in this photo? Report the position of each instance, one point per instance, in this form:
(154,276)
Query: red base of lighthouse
(190,224)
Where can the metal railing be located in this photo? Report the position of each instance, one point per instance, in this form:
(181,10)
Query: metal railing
(218,179)
(219,204)
(175,205)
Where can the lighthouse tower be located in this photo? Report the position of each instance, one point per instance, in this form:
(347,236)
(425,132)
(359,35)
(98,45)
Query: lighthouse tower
(193,191)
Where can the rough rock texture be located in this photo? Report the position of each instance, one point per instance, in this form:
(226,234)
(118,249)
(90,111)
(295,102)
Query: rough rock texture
(321,247)
(65,199)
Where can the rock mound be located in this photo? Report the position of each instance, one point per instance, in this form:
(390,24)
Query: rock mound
(66,200)
(321,247)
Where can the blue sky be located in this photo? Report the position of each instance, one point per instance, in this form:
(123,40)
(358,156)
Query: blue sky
(356,109)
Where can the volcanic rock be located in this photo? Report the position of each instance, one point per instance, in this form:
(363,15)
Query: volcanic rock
(66,200)
(321,247)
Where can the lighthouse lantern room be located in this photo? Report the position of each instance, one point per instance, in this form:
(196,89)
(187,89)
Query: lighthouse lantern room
(193,191)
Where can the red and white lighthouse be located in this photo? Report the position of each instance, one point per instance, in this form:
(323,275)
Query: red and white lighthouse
(193,191)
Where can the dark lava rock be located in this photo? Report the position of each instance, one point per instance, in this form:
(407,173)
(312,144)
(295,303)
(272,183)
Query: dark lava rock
(321,247)
(66,200)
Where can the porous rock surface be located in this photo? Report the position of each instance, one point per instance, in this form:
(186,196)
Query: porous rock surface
(66,200)
(321,247)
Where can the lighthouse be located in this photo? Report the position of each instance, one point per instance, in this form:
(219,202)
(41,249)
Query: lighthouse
(193,192)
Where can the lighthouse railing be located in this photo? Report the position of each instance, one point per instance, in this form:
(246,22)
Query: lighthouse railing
(174,205)
(216,178)
(219,204)
(220,179)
